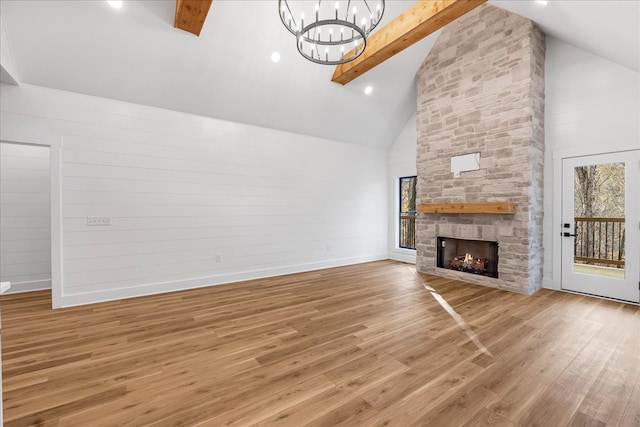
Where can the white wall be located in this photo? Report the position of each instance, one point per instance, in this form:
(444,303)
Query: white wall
(8,71)
(401,162)
(25,235)
(182,189)
(592,106)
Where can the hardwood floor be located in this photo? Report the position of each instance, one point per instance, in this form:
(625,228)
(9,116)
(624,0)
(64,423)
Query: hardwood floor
(369,344)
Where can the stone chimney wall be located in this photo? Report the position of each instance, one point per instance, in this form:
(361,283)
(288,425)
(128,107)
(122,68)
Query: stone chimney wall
(481,89)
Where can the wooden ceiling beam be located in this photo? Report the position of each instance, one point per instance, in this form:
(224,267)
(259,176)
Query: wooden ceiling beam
(423,18)
(190,15)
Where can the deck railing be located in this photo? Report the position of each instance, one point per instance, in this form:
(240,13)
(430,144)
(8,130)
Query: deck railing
(408,230)
(600,241)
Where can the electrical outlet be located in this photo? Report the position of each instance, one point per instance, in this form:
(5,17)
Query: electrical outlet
(328,247)
(98,220)
(218,258)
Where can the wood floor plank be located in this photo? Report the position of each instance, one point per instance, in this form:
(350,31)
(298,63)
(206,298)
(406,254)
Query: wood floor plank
(631,414)
(369,344)
(39,416)
(419,377)
(582,420)
(585,368)
(423,401)
(259,409)
(472,398)
(607,398)
(485,418)
(354,412)
(556,407)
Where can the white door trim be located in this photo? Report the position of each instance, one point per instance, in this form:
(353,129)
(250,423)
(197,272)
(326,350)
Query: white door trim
(54,142)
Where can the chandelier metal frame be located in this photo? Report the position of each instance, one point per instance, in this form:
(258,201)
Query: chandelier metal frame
(351,35)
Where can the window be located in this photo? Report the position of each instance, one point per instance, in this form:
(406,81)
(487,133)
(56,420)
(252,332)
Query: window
(407,238)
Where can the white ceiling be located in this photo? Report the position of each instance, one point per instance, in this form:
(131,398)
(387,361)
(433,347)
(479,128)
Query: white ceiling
(134,54)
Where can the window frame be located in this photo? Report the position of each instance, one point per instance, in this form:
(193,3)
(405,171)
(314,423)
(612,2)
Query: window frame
(400,214)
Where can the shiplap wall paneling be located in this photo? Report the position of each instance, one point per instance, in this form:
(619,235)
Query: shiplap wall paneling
(195,201)
(25,234)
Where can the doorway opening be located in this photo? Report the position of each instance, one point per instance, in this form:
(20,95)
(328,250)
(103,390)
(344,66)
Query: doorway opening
(25,216)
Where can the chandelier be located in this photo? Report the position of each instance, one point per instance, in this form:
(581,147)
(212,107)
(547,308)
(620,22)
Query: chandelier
(330,32)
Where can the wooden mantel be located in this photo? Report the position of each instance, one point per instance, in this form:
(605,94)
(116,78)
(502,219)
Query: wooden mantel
(474,208)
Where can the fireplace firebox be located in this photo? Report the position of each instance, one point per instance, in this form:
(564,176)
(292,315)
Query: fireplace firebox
(470,256)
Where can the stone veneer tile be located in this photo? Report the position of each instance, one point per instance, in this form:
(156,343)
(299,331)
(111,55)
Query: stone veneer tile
(481,89)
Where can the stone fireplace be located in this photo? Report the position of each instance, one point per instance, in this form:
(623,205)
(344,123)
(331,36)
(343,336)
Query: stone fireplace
(481,90)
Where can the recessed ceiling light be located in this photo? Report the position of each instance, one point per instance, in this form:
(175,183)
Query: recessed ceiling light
(542,2)
(368,90)
(116,4)
(275,57)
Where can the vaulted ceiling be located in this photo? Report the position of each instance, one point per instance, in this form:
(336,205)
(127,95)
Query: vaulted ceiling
(135,54)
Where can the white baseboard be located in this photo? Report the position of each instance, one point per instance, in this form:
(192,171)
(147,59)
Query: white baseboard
(403,256)
(199,282)
(36,285)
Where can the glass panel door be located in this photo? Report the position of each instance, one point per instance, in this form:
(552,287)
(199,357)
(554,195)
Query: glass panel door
(600,235)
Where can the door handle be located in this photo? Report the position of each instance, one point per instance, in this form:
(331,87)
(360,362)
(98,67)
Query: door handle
(567,234)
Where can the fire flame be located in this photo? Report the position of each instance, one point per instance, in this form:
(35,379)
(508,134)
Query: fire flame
(468,258)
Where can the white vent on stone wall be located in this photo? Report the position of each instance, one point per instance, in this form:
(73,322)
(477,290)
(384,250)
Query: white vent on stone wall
(464,163)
